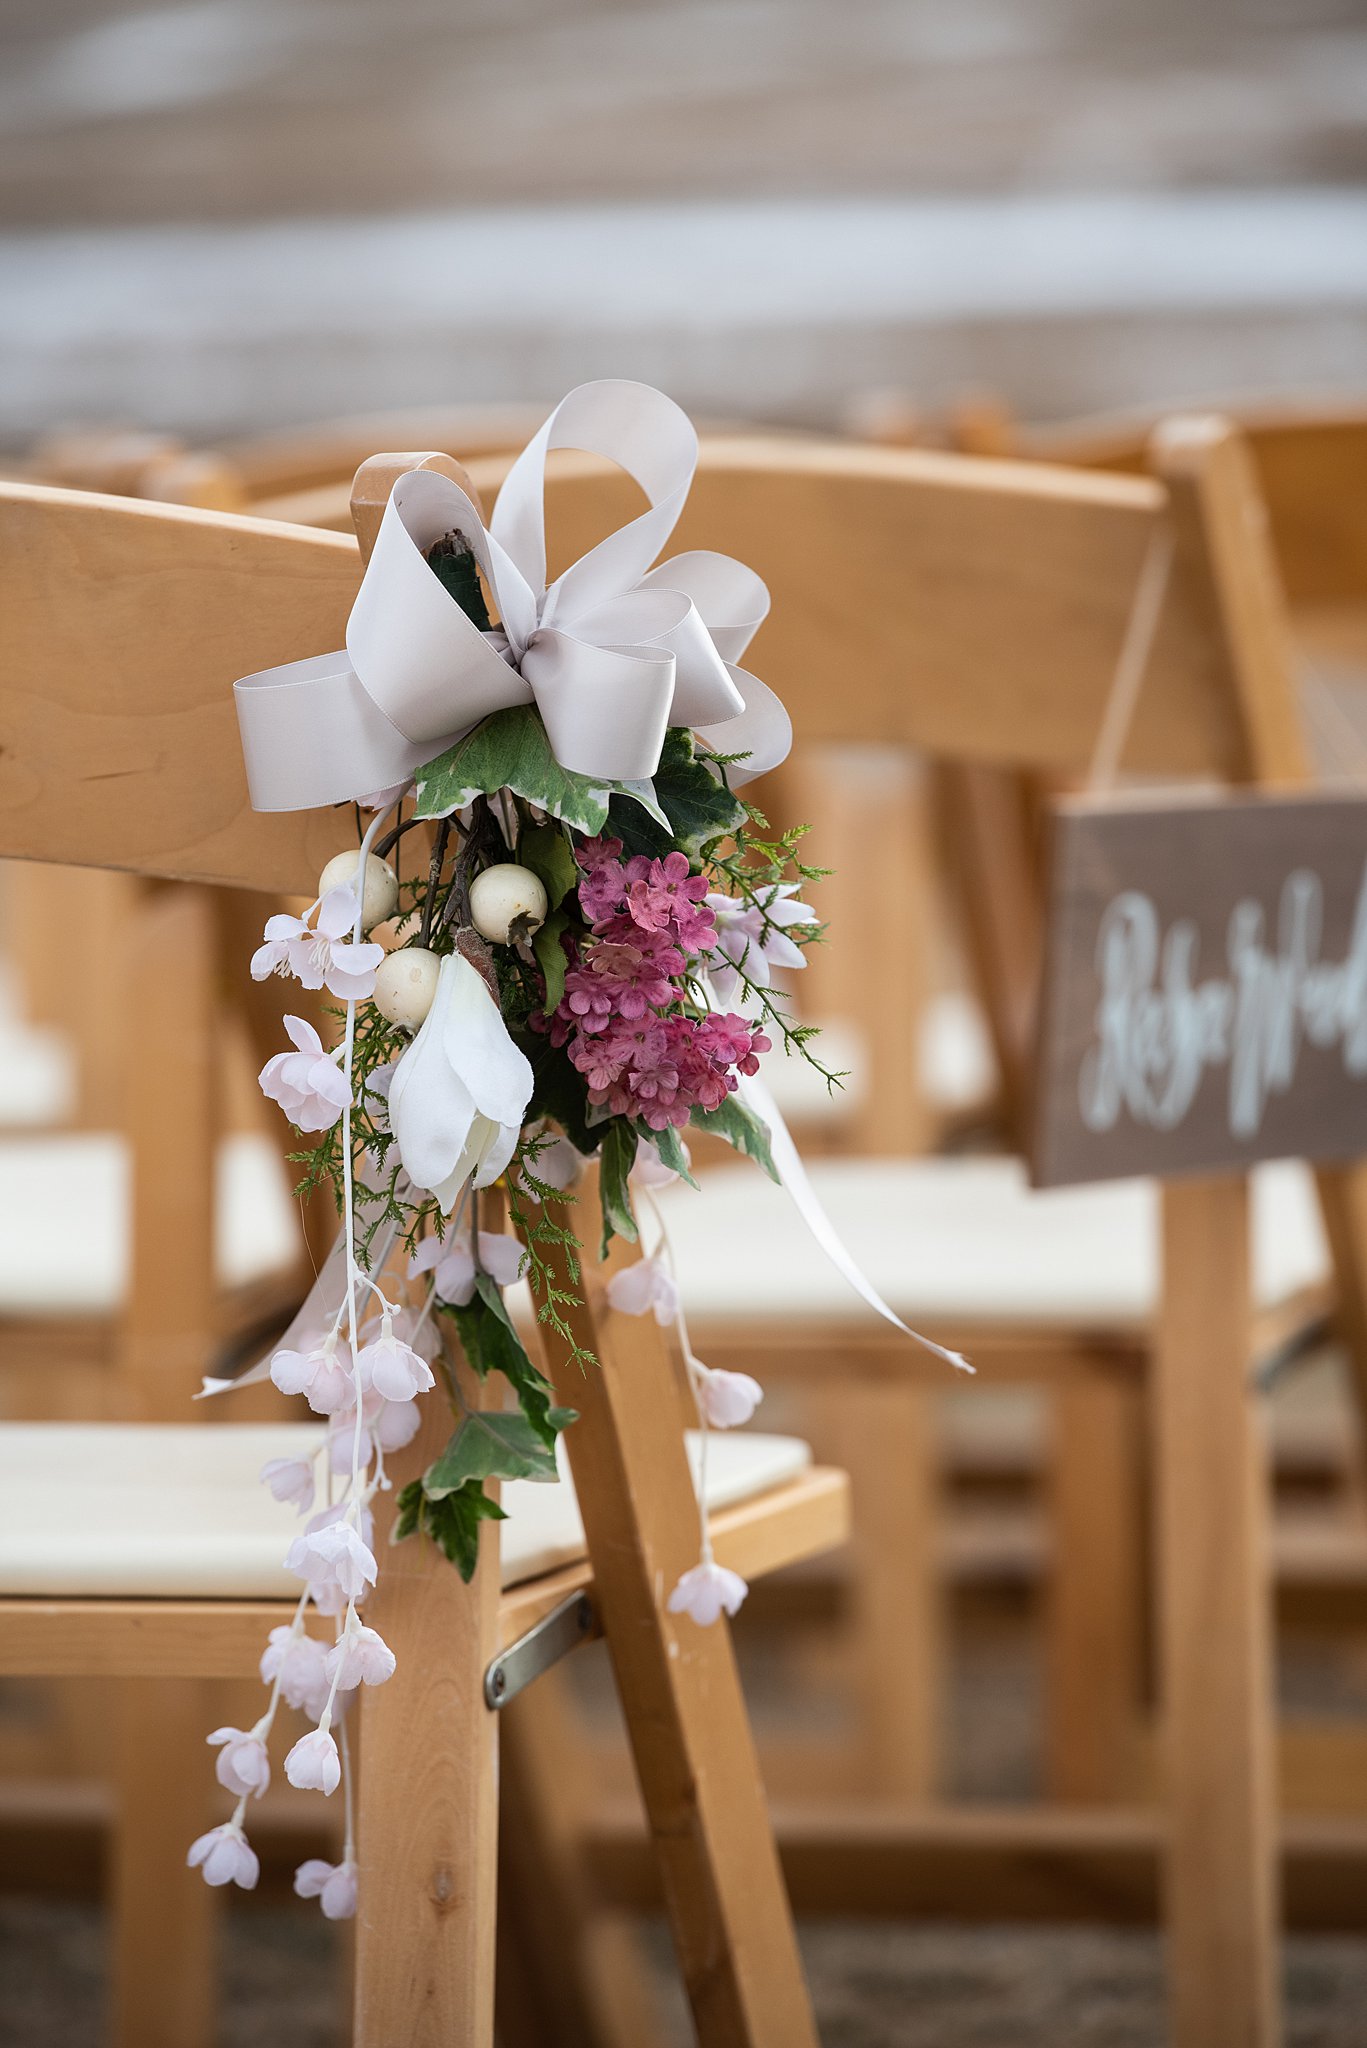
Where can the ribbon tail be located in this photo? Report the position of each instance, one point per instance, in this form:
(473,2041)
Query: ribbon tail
(314,1314)
(310,1321)
(756,1095)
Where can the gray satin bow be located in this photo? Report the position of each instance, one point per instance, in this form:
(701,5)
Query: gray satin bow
(612,654)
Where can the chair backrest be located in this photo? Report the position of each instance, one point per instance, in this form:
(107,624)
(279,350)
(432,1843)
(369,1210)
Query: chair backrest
(972,610)
(1310,462)
(330,451)
(969,609)
(120,618)
(1309,466)
(126,623)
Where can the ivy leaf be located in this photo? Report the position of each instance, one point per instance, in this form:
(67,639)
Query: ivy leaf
(546,850)
(489,1341)
(534,1390)
(489,1445)
(698,805)
(456,569)
(510,750)
(409,1511)
(491,1294)
(491,1344)
(637,832)
(670,1147)
(619,1156)
(740,1127)
(550,956)
(644,794)
(453,1524)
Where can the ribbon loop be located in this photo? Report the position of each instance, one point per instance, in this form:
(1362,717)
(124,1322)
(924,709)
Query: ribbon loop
(612,654)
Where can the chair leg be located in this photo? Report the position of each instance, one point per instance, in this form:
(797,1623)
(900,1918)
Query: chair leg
(567,1972)
(163,1916)
(1095,1632)
(898,1621)
(427,1847)
(686,1718)
(1214,1631)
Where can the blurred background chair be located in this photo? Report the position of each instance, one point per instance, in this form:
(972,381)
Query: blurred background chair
(1021,592)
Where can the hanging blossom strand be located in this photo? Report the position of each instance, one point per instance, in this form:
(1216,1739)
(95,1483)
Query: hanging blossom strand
(334,1555)
(725,1400)
(582,964)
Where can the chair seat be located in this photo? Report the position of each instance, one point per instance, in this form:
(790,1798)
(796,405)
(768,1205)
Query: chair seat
(80,1266)
(177,1510)
(962,1241)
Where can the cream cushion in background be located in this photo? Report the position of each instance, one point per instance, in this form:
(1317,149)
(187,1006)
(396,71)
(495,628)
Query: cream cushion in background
(178,1510)
(967,1240)
(64,1225)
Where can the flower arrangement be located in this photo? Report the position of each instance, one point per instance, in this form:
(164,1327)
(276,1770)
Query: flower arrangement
(577,965)
(543,988)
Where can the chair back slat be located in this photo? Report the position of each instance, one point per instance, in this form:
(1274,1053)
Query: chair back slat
(125,624)
(974,610)
(1311,466)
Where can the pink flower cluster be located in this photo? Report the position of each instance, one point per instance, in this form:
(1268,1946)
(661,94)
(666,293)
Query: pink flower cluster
(640,1051)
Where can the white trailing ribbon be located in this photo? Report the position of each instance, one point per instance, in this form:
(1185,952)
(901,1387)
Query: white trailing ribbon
(796,1181)
(612,653)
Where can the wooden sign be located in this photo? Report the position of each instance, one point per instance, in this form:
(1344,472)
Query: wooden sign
(1204,1003)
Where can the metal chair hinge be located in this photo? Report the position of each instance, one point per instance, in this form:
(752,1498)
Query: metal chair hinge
(553,1637)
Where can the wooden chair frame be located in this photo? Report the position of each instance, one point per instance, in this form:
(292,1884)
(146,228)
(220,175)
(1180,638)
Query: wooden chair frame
(224,588)
(991,601)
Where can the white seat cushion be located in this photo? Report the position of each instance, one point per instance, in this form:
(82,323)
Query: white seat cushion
(956,1065)
(64,1235)
(963,1240)
(37,1066)
(178,1510)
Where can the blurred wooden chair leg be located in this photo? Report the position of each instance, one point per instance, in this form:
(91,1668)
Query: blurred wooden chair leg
(427,1841)
(1095,1648)
(897,1633)
(987,830)
(680,1690)
(855,797)
(44,906)
(1214,1614)
(241,915)
(567,1973)
(163,1918)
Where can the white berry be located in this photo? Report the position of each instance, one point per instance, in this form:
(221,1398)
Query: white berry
(406,985)
(505,896)
(380,896)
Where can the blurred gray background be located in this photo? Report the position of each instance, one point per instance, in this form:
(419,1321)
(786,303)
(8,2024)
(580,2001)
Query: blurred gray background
(224,214)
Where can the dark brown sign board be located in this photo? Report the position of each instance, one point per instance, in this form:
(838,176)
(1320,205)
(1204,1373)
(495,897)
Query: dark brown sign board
(1204,998)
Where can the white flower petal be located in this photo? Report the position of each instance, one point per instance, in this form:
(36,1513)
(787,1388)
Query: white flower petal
(501,1256)
(497,1074)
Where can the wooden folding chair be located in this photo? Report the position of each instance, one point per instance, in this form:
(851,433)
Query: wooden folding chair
(129,623)
(976,611)
(1308,462)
